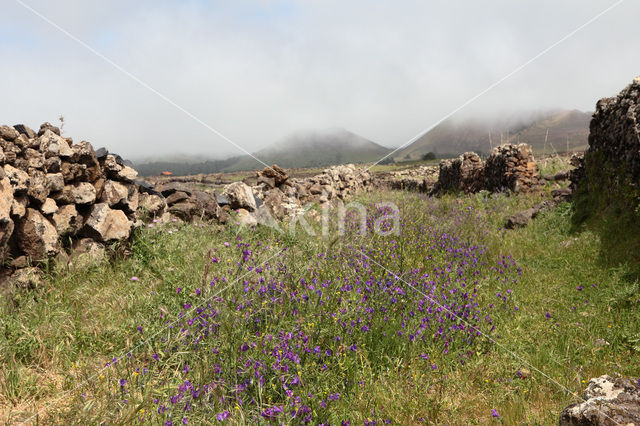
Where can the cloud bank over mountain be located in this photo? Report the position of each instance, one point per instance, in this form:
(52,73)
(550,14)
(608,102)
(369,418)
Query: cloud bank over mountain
(260,70)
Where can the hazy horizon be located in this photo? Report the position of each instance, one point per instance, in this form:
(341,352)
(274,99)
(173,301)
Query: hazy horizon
(259,71)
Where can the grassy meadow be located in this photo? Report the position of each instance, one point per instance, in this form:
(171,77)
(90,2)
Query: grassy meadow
(455,320)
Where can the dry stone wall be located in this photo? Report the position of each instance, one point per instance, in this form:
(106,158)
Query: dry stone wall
(53,191)
(277,196)
(508,168)
(607,178)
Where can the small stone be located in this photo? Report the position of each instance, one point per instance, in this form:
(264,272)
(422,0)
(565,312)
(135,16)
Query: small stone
(152,204)
(245,218)
(36,236)
(19,178)
(78,193)
(52,145)
(240,196)
(127,174)
(49,207)
(38,190)
(25,130)
(104,224)
(55,182)
(176,197)
(114,193)
(66,220)
(53,164)
(34,158)
(8,133)
(46,126)
(19,206)
(110,165)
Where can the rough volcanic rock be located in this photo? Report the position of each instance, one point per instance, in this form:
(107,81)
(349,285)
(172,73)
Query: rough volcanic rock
(36,236)
(49,207)
(110,165)
(46,126)
(245,218)
(25,130)
(66,220)
(38,190)
(275,174)
(6,222)
(19,206)
(522,219)
(208,207)
(35,159)
(127,174)
(19,179)
(240,196)
(171,187)
(73,172)
(55,182)
(104,224)
(176,197)
(113,193)
(132,202)
(185,210)
(85,251)
(152,204)
(8,133)
(53,164)
(78,193)
(52,145)
(83,153)
(608,401)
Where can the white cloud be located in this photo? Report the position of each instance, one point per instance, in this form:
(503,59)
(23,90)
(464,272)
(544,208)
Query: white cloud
(259,70)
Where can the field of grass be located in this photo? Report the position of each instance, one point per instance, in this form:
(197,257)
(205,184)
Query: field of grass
(454,321)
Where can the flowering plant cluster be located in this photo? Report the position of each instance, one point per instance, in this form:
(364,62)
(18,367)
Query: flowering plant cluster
(286,332)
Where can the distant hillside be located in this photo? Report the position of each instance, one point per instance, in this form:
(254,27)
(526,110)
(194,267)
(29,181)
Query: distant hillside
(315,148)
(182,168)
(455,137)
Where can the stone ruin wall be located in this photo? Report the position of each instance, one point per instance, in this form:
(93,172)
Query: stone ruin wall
(509,167)
(609,172)
(60,197)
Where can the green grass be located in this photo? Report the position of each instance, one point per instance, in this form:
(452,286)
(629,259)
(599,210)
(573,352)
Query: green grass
(62,333)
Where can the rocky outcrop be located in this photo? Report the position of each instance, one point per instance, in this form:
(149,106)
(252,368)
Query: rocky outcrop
(607,401)
(508,168)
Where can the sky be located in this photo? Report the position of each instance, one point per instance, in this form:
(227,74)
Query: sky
(149,78)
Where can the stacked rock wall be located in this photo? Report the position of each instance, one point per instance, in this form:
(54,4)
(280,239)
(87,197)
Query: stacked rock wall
(463,174)
(276,196)
(609,174)
(53,191)
(509,167)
